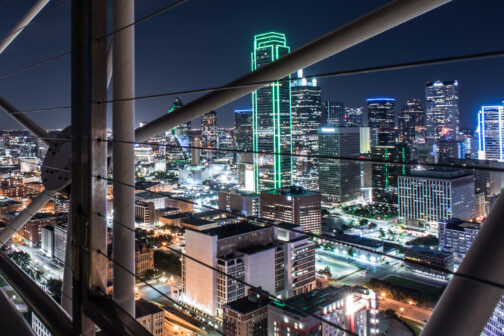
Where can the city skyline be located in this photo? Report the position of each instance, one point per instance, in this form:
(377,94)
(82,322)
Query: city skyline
(174,73)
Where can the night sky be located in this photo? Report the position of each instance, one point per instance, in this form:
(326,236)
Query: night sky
(208,43)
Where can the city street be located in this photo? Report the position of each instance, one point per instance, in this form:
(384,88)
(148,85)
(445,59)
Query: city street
(409,311)
(50,268)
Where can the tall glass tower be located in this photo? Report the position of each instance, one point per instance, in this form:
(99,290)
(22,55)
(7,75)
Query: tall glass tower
(442,106)
(381,121)
(306,114)
(412,122)
(271,118)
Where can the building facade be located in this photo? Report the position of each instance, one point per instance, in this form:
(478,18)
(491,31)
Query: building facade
(491,133)
(278,261)
(411,122)
(381,120)
(293,205)
(431,196)
(333,113)
(306,114)
(246,316)
(442,111)
(352,308)
(271,118)
(209,134)
(339,180)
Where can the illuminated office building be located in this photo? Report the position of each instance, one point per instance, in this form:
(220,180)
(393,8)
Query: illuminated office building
(306,114)
(242,132)
(442,111)
(333,113)
(339,180)
(352,308)
(354,116)
(271,117)
(411,122)
(491,133)
(209,134)
(384,175)
(293,205)
(177,137)
(381,121)
(430,196)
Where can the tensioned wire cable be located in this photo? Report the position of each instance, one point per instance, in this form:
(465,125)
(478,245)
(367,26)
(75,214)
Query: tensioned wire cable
(312,235)
(145,18)
(272,223)
(321,75)
(255,288)
(317,156)
(56,57)
(359,71)
(34,65)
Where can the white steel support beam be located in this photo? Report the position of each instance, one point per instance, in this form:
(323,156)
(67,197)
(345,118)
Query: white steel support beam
(123,129)
(26,122)
(24,216)
(355,32)
(466,305)
(25,21)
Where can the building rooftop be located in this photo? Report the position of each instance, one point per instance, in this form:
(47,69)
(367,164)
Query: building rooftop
(196,221)
(144,308)
(312,302)
(259,248)
(439,173)
(460,225)
(357,240)
(248,304)
(426,251)
(230,230)
(148,195)
(290,191)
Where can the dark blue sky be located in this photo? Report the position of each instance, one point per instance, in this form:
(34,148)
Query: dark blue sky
(208,43)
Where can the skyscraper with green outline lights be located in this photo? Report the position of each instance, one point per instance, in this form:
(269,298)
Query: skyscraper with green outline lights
(271,118)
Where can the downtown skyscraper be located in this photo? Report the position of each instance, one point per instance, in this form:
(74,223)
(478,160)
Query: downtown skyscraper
(271,118)
(411,122)
(242,132)
(491,133)
(209,134)
(306,114)
(333,113)
(442,111)
(381,121)
(339,180)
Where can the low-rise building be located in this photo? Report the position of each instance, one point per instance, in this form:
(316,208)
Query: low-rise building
(456,236)
(352,308)
(151,317)
(422,260)
(144,258)
(247,316)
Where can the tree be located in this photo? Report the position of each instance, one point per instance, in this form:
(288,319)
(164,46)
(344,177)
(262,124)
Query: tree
(429,240)
(381,233)
(363,222)
(350,251)
(325,271)
(372,226)
(167,262)
(390,313)
(329,246)
(54,286)
(22,259)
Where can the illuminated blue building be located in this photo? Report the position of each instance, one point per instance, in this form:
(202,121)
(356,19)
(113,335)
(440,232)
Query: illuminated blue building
(490,133)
